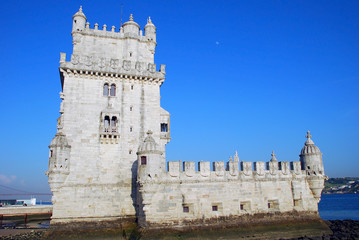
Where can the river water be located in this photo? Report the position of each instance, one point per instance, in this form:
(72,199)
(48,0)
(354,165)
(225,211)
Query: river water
(339,206)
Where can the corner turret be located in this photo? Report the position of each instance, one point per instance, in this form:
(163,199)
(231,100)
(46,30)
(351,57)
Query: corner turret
(311,158)
(150,30)
(312,164)
(79,21)
(150,161)
(59,156)
(131,26)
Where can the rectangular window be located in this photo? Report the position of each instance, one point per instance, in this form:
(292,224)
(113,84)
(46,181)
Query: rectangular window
(215,208)
(245,206)
(164,127)
(273,204)
(143,160)
(185,209)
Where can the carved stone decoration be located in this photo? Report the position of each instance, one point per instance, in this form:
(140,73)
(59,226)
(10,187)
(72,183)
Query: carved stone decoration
(139,66)
(151,68)
(260,168)
(88,60)
(189,169)
(297,168)
(75,59)
(233,168)
(114,63)
(273,167)
(163,69)
(247,168)
(101,62)
(204,169)
(219,168)
(127,65)
(285,168)
(173,169)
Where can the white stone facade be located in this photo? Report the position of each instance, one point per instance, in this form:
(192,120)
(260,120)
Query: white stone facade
(107,160)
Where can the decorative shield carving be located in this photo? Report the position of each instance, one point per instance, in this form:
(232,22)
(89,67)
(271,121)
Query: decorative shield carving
(285,168)
(247,168)
(88,60)
(189,168)
(233,168)
(173,169)
(127,65)
(101,62)
(151,68)
(75,59)
(260,168)
(114,63)
(204,169)
(273,167)
(219,168)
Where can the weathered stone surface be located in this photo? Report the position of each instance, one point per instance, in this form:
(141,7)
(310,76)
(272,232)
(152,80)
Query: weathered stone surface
(107,161)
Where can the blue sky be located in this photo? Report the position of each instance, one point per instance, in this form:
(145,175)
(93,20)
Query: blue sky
(251,76)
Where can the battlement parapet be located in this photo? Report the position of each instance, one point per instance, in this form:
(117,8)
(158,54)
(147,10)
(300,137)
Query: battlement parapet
(111,33)
(101,65)
(232,170)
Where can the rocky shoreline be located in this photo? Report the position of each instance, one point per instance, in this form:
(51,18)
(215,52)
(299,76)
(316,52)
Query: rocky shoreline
(346,229)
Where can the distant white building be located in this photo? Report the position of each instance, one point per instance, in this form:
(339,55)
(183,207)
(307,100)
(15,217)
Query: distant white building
(107,160)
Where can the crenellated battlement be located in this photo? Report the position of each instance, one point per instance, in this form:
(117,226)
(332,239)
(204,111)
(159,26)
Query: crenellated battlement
(232,170)
(106,32)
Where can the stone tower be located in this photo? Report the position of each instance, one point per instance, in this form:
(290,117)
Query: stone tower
(110,100)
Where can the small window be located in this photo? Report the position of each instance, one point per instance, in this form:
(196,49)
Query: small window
(105,89)
(107,124)
(131,108)
(130,54)
(51,152)
(130,152)
(164,127)
(214,208)
(273,204)
(130,129)
(131,87)
(113,90)
(245,206)
(185,209)
(143,160)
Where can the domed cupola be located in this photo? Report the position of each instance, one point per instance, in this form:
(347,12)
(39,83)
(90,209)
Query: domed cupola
(311,158)
(130,26)
(309,147)
(59,161)
(150,30)
(312,163)
(149,159)
(79,21)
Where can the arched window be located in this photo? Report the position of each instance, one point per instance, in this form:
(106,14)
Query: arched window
(113,90)
(107,124)
(113,124)
(105,89)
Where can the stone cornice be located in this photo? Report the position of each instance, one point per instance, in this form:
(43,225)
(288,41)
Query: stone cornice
(114,68)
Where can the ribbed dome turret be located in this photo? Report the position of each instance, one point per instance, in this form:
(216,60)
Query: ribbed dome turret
(80,13)
(59,141)
(78,21)
(148,144)
(150,30)
(131,26)
(149,23)
(309,147)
